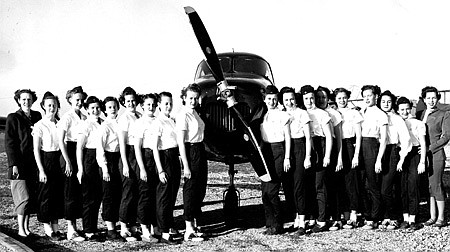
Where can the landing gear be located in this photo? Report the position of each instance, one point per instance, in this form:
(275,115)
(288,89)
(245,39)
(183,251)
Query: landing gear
(231,200)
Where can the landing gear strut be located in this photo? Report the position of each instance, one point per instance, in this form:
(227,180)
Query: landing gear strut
(231,200)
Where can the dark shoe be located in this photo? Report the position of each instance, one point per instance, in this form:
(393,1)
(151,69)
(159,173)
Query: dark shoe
(112,235)
(193,237)
(404,225)
(269,231)
(439,223)
(350,224)
(169,241)
(94,238)
(317,228)
(392,225)
(301,231)
(429,222)
(53,237)
(415,226)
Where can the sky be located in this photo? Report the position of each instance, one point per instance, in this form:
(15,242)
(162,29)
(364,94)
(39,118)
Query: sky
(104,46)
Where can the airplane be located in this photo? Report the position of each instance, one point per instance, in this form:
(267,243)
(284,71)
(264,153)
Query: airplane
(231,106)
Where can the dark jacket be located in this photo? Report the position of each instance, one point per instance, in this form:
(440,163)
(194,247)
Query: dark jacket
(438,130)
(19,143)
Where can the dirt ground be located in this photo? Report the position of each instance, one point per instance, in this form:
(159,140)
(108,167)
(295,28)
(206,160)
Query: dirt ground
(247,234)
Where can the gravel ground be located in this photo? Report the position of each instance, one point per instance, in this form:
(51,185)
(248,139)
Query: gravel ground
(248,237)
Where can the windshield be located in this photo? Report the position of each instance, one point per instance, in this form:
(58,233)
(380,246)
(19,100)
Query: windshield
(240,64)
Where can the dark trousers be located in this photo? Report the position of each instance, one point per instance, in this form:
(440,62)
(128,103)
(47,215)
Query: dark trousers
(410,182)
(166,193)
(350,175)
(130,189)
(316,191)
(146,206)
(369,152)
(51,194)
(194,189)
(274,156)
(337,199)
(112,189)
(298,170)
(390,182)
(72,188)
(91,187)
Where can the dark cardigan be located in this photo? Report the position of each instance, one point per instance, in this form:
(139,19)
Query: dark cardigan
(19,143)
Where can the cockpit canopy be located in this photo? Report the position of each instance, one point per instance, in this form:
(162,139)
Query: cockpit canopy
(238,64)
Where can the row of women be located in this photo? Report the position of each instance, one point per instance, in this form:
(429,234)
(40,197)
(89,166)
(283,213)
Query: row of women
(69,167)
(340,162)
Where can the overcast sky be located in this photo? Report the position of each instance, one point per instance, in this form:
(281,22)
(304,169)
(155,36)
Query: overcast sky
(401,45)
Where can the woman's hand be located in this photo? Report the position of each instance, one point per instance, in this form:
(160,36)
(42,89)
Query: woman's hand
(355,161)
(421,168)
(106,176)
(15,172)
(307,162)
(187,173)
(287,164)
(326,162)
(42,177)
(378,167)
(80,175)
(143,175)
(68,170)
(163,177)
(126,170)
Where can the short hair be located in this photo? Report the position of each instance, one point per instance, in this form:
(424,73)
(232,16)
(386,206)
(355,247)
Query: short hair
(49,96)
(75,90)
(92,99)
(283,91)
(391,95)
(327,92)
(22,91)
(128,91)
(375,89)
(430,89)
(194,87)
(108,99)
(166,94)
(342,90)
(404,100)
(306,89)
(148,96)
(271,89)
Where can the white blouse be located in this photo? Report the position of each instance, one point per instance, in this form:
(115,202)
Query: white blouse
(319,120)
(351,118)
(298,118)
(272,126)
(188,120)
(47,132)
(69,122)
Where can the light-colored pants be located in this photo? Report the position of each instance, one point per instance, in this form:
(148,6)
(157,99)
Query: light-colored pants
(19,191)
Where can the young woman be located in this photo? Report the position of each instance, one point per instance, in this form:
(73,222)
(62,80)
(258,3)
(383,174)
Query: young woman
(335,176)
(438,127)
(398,145)
(88,170)
(322,141)
(165,152)
(374,136)
(351,146)
(300,154)
(47,154)
(276,148)
(107,155)
(148,179)
(67,136)
(128,165)
(413,166)
(190,132)
(21,162)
